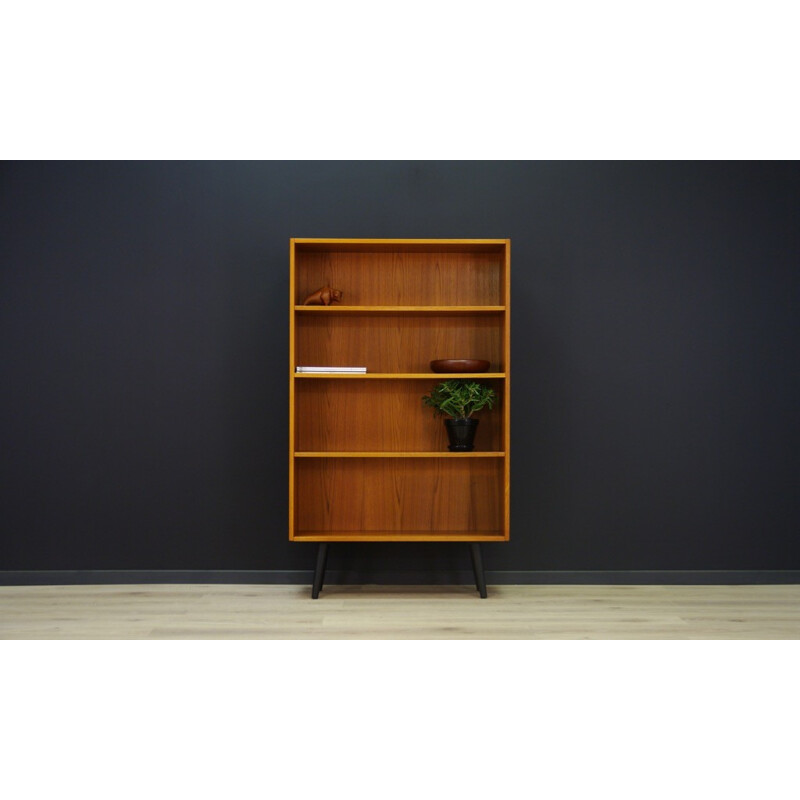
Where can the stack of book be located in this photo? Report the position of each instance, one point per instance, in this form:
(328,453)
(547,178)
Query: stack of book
(332,369)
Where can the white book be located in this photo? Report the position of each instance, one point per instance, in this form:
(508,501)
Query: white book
(332,369)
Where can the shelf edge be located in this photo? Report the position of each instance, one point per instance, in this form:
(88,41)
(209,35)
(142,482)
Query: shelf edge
(396,454)
(399,536)
(402,309)
(440,376)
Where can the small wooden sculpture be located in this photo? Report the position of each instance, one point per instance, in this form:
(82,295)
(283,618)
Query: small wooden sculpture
(323,297)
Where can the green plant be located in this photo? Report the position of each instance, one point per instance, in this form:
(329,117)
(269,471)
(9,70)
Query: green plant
(459,399)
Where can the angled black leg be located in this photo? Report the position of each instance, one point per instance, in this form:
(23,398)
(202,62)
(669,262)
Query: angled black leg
(324,566)
(477,568)
(474,567)
(319,572)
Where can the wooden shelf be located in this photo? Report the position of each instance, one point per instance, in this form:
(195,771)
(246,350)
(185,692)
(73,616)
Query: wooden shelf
(400,536)
(380,416)
(398,454)
(434,376)
(401,309)
(324,246)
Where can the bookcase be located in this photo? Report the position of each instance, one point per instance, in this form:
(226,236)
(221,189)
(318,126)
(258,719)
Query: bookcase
(367,461)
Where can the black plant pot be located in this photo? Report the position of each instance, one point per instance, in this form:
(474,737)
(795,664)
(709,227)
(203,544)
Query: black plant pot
(461,433)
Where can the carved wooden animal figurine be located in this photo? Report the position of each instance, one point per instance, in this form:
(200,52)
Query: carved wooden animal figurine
(323,297)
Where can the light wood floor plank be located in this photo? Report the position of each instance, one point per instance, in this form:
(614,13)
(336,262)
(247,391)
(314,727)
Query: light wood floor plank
(399,612)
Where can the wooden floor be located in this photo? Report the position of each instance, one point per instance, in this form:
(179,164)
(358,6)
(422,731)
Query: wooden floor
(399,612)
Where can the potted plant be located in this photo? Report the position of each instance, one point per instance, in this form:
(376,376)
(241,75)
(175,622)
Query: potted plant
(459,400)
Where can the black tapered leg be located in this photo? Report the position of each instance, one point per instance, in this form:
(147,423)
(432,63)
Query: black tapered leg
(324,566)
(477,568)
(319,572)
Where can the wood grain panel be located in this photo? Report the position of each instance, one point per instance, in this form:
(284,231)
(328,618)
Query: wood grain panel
(406,302)
(403,278)
(397,453)
(400,245)
(342,309)
(422,495)
(399,536)
(397,343)
(380,376)
(332,414)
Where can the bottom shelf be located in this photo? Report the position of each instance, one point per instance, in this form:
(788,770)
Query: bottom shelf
(399,536)
(399,499)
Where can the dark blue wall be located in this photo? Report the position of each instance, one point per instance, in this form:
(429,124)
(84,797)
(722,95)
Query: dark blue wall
(143,358)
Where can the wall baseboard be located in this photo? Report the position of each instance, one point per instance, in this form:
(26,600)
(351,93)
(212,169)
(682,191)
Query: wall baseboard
(417,577)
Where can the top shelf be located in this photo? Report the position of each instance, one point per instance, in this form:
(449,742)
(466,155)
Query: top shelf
(407,276)
(400,245)
(401,309)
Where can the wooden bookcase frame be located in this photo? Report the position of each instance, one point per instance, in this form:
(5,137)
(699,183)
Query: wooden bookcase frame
(367,461)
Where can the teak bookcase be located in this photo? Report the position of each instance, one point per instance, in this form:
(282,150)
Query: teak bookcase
(367,461)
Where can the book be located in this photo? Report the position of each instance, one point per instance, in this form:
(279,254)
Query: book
(332,369)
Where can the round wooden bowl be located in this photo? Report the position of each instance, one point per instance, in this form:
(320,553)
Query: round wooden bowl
(460,365)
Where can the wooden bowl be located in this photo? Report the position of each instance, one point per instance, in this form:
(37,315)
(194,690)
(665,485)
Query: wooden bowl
(459,365)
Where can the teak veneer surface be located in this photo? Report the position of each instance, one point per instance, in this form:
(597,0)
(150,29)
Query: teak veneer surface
(340,244)
(334,309)
(398,536)
(367,460)
(403,279)
(397,343)
(396,454)
(435,376)
(413,495)
(380,415)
